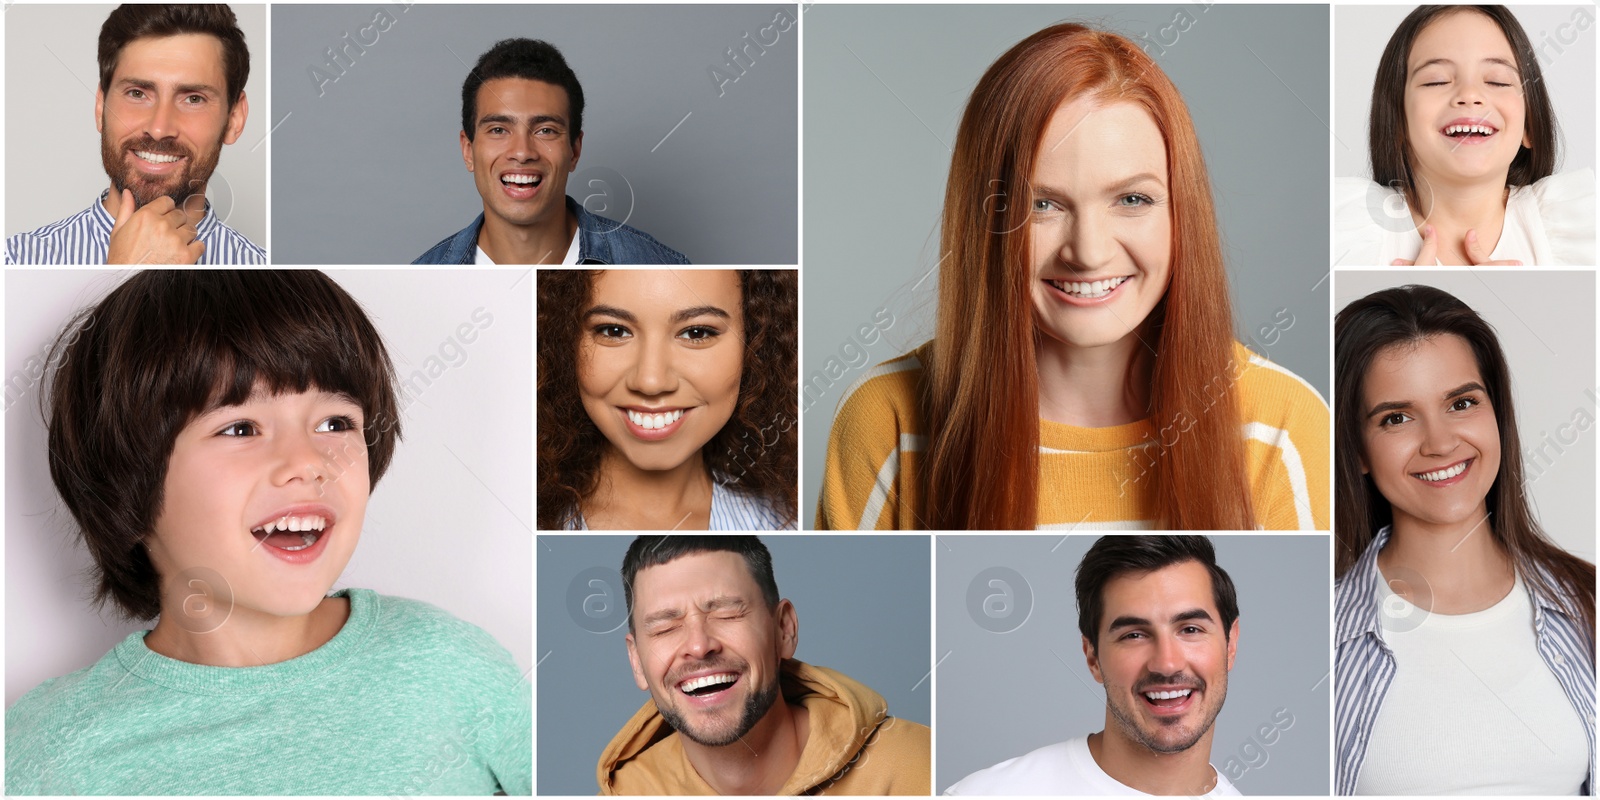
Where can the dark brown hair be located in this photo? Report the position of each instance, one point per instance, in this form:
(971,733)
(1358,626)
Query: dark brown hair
(1407,315)
(1387,143)
(1114,556)
(532,60)
(757,451)
(653,551)
(983,397)
(167,346)
(132,21)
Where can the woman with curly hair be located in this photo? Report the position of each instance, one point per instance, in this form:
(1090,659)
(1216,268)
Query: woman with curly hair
(667,399)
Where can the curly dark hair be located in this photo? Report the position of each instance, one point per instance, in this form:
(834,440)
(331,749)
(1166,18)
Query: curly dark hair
(757,450)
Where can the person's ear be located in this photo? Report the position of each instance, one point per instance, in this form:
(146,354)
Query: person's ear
(236,118)
(1093,660)
(788,630)
(577,152)
(99,110)
(466,150)
(1233,643)
(633,660)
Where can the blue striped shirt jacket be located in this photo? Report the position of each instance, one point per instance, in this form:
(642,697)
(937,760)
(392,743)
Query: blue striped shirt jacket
(85,238)
(1364,666)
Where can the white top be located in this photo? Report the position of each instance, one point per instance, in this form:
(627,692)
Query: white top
(1473,708)
(1063,768)
(570,259)
(1550,223)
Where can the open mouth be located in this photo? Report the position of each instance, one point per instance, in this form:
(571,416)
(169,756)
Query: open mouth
(1473,131)
(708,686)
(1089,290)
(1443,475)
(291,534)
(653,425)
(521,185)
(1168,699)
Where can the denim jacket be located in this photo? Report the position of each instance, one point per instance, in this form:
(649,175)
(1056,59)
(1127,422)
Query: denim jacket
(1364,666)
(600,241)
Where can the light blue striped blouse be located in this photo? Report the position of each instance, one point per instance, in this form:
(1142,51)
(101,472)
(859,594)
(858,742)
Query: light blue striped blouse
(731,510)
(1364,666)
(85,238)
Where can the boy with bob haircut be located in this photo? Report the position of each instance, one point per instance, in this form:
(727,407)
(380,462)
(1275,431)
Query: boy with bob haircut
(215,435)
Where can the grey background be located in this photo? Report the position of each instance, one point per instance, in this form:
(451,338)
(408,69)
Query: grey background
(53,167)
(862,602)
(1546,324)
(1569,75)
(885,88)
(1002,695)
(371,171)
(461,481)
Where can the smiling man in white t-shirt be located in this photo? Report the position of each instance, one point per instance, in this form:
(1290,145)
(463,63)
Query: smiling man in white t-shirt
(1160,625)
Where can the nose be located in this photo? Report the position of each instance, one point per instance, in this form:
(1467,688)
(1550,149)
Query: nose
(699,643)
(1166,656)
(297,458)
(523,148)
(1467,95)
(1087,244)
(1438,439)
(162,122)
(653,373)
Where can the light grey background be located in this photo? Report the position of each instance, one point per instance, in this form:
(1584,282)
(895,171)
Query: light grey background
(1546,324)
(1002,695)
(885,88)
(371,171)
(1363,31)
(449,523)
(862,602)
(53,167)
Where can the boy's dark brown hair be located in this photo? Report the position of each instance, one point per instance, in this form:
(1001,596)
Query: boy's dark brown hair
(167,346)
(137,21)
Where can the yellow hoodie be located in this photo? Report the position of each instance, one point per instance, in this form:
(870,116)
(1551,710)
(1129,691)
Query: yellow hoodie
(854,747)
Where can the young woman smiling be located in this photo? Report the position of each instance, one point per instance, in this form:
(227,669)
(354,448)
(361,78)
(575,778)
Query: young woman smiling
(1464,645)
(1462,139)
(667,399)
(1084,370)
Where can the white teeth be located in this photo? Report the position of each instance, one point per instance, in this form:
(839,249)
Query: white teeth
(294,524)
(520,178)
(1168,695)
(1444,474)
(308,538)
(1089,289)
(1452,130)
(704,681)
(652,422)
(155,157)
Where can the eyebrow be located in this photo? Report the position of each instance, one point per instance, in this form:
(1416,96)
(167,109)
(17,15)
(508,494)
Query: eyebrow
(1127,621)
(681,316)
(508,119)
(1122,185)
(182,88)
(1401,405)
(717,603)
(1447,62)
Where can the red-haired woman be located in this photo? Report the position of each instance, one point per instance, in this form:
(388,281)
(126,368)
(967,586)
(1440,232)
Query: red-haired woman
(1084,370)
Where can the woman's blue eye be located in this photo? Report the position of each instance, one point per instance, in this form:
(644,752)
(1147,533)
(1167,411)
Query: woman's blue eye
(1134,200)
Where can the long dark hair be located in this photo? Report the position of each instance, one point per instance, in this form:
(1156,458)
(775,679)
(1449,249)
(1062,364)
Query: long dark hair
(757,451)
(1364,329)
(1387,144)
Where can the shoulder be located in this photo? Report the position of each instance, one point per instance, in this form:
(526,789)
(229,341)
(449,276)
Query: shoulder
(1360,208)
(428,632)
(455,248)
(228,246)
(610,242)
(1562,206)
(1269,392)
(1047,770)
(48,725)
(892,388)
(48,244)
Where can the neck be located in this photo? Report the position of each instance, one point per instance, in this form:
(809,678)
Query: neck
(1187,772)
(1455,208)
(1462,565)
(761,761)
(677,498)
(1094,387)
(543,242)
(194,206)
(246,638)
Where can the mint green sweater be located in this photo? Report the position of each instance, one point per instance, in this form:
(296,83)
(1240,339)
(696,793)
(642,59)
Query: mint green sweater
(404,700)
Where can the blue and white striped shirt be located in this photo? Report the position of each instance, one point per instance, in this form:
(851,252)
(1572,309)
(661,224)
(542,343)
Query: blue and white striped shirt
(85,238)
(731,510)
(1364,666)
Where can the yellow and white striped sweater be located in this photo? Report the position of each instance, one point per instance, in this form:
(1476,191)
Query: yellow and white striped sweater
(1090,478)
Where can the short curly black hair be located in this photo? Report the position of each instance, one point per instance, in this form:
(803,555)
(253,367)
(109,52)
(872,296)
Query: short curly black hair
(532,59)
(168,345)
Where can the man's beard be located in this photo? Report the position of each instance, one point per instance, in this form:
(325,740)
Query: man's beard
(755,707)
(191,182)
(1128,723)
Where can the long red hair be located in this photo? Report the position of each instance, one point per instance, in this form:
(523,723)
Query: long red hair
(983,402)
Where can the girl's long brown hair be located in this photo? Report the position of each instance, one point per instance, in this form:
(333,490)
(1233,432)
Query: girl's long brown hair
(983,403)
